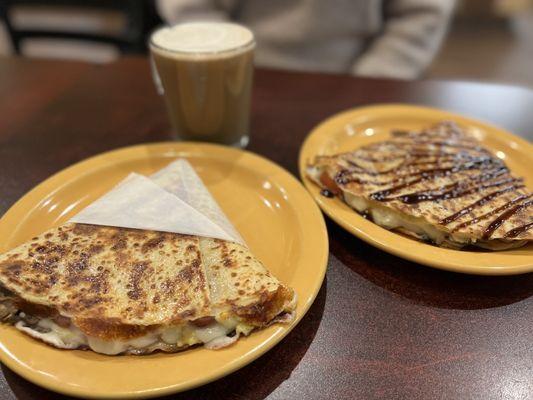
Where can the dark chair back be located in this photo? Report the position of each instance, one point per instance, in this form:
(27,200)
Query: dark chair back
(141,18)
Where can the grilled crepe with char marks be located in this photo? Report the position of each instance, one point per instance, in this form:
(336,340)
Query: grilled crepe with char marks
(117,290)
(438,184)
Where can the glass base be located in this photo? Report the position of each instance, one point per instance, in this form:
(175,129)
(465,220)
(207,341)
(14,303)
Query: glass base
(241,143)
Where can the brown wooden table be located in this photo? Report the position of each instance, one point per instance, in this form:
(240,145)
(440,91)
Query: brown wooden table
(381,327)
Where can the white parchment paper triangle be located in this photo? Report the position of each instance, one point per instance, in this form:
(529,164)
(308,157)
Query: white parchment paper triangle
(173,200)
(180,179)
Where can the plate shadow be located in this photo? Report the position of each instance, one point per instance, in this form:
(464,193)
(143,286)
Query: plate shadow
(423,284)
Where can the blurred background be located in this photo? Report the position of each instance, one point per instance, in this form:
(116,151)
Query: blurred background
(489,40)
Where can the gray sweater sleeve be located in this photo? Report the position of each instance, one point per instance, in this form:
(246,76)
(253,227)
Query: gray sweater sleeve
(175,11)
(411,36)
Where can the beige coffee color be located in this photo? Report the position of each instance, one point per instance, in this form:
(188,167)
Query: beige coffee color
(206,73)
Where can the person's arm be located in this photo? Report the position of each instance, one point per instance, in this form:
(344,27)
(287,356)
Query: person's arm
(413,31)
(174,11)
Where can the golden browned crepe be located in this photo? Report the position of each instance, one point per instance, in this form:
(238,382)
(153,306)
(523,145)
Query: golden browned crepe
(117,290)
(438,184)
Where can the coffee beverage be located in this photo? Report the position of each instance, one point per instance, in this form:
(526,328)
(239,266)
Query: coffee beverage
(205,69)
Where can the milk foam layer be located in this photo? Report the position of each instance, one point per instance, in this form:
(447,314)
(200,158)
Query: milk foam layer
(202,37)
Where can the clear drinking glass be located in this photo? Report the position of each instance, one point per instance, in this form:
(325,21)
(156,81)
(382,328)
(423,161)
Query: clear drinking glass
(204,70)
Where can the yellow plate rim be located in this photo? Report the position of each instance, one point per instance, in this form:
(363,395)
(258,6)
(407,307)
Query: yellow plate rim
(68,174)
(382,239)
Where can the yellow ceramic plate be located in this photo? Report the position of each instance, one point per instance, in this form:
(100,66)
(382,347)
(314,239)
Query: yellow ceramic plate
(358,127)
(276,216)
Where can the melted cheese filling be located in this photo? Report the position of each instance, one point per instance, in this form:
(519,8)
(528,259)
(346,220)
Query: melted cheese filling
(213,336)
(391,219)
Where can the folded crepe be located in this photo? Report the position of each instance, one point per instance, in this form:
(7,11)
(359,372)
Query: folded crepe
(438,184)
(126,289)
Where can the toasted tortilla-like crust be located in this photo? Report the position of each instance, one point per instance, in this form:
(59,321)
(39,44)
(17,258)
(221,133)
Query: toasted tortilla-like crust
(118,283)
(466,187)
(102,274)
(240,284)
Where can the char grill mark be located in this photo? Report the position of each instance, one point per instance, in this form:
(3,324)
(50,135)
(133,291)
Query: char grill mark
(517,231)
(438,167)
(479,203)
(491,213)
(496,223)
(426,195)
(456,191)
(413,159)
